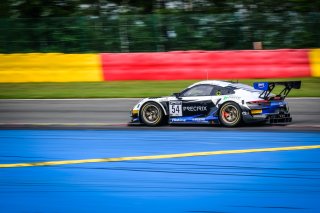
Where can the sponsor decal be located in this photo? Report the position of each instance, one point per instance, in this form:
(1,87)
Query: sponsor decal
(261,85)
(231,97)
(199,119)
(178,120)
(195,108)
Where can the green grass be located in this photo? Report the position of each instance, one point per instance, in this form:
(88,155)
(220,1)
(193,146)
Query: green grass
(123,89)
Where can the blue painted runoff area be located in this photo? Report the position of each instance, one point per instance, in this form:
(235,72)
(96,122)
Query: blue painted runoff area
(280,181)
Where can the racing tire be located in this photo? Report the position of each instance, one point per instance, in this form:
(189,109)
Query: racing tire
(230,114)
(151,114)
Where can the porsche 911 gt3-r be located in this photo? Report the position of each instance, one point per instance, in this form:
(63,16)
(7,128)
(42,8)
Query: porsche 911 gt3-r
(217,102)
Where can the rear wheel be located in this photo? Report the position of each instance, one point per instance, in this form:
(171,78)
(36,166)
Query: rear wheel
(230,114)
(152,114)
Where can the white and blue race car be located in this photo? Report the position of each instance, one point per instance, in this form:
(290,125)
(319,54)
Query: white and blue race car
(217,102)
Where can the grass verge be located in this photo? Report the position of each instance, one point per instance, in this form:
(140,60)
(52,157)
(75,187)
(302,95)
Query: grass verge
(125,89)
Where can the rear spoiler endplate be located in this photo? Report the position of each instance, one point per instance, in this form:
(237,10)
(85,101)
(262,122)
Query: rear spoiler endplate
(267,88)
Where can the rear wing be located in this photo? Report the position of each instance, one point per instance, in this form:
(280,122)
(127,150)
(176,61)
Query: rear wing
(267,88)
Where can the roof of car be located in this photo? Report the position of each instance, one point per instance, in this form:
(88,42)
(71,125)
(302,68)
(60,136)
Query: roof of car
(213,82)
(227,83)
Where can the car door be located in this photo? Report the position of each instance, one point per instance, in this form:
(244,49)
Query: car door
(192,105)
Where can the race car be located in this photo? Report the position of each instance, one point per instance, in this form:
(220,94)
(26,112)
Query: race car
(218,103)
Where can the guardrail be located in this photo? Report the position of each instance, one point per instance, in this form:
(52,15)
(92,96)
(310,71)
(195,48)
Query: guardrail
(177,65)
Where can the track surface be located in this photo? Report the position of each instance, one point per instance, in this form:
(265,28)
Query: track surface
(115,113)
(279,181)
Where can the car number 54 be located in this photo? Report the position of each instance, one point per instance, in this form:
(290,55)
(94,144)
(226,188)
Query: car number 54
(175,108)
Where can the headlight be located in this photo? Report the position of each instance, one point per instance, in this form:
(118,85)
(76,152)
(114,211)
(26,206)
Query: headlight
(134,111)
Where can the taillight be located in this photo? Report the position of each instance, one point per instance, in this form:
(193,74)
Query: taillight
(276,98)
(259,103)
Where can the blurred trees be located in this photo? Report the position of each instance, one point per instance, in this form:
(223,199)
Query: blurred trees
(156,25)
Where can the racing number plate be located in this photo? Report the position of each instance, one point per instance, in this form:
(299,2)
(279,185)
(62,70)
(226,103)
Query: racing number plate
(175,108)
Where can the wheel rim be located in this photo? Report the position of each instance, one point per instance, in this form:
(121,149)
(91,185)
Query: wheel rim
(151,114)
(230,114)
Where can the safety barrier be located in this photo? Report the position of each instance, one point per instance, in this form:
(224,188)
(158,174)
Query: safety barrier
(206,64)
(178,65)
(314,56)
(50,67)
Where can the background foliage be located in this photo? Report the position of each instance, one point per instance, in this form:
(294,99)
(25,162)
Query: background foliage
(76,26)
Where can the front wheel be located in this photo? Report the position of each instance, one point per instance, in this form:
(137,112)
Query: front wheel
(230,114)
(151,114)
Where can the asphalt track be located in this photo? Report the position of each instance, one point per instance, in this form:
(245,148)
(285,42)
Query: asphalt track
(115,168)
(114,113)
(252,181)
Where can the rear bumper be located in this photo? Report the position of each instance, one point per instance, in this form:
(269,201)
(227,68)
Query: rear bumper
(269,118)
(280,118)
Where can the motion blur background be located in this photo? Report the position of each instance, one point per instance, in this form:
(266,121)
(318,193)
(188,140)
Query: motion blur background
(93,41)
(90,26)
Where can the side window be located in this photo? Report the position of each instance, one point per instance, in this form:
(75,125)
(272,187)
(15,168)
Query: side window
(199,90)
(222,91)
(217,91)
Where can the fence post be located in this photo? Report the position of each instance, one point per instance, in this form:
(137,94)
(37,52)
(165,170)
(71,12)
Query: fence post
(123,34)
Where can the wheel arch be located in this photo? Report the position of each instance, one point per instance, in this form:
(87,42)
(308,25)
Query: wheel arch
(240,112)
(164,108)
(153,101)
(221,104)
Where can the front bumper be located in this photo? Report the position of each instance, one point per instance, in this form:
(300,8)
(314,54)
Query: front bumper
(134,114)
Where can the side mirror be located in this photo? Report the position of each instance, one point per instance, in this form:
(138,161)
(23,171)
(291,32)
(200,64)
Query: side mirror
(177,95)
